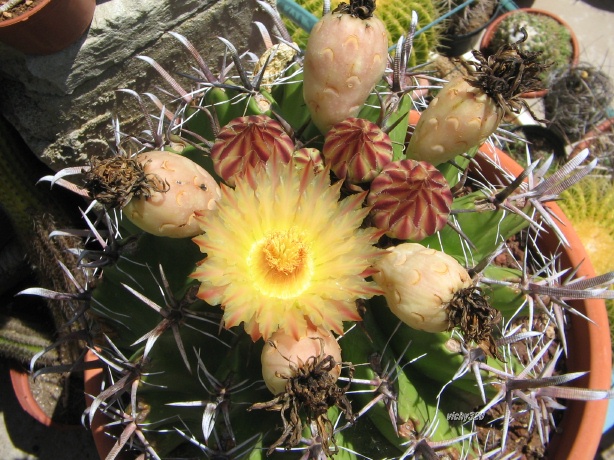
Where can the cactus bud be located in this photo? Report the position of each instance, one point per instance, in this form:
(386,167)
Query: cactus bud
(302,157)
(357,150)
(247,141)
(410,200)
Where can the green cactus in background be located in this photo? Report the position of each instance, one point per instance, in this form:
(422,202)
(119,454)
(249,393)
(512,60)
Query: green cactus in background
(544,35)
(247,272)
(396,14)
(29,213)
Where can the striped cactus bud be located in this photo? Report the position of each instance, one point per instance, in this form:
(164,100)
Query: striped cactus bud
(410,200)
(247,141)
(303,156)
(356,150)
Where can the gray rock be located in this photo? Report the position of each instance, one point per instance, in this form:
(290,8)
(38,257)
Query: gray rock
(63,104)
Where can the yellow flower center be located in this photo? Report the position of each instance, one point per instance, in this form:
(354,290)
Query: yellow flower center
(281,263)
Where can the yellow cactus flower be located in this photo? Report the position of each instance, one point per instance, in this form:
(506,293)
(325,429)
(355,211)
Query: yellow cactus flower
(283,252)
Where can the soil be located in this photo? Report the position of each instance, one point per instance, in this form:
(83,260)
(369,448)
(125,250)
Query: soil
(19,9)
(60,397)
(472,17)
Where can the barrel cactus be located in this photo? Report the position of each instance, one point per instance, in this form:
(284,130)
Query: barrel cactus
(274,330)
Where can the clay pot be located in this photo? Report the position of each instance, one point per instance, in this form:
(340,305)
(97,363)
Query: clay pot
(93,380)
(20,380)
(490,32)
(457,45)
(49,27)
(579,433)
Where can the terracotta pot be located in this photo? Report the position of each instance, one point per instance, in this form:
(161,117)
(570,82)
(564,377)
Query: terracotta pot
(20,380)
(580,431)
(49,27)
(93,380)
(490,31)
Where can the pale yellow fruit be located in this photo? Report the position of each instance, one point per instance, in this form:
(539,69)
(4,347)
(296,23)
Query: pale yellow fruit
(344,59)
(283,354)
(458,118)
(419,283)
(172,213)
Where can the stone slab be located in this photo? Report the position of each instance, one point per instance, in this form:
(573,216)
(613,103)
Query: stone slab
(62,104)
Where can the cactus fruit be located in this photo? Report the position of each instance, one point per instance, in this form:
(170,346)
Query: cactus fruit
(160,192)
(468,109)
(346,56)
(183,189)
(283,355)
(419,284)
(396,15)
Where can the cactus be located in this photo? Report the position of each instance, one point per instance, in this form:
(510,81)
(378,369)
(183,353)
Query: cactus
(292,254)
(546,36)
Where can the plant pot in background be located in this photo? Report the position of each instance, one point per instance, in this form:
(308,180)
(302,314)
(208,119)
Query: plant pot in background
(592,137)
(600,142)
(489,33)
(452,45)
(49,27)
(578,100)
(22,387)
